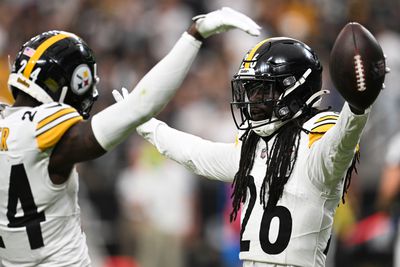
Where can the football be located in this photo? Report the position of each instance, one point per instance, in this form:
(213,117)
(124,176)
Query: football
(357,65)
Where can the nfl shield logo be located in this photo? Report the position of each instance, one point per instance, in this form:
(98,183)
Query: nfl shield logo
(264,153)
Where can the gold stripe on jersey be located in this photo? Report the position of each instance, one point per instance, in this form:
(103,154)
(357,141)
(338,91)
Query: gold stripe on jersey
(50,137)
(328,117)
(322,128)
(54,116)
(317,132)
(40,50)
(252,52)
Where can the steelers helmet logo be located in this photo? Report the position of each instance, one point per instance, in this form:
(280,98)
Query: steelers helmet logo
(81,79)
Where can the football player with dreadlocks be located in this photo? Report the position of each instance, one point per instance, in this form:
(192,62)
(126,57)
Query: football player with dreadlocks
(291,163)
(43,134)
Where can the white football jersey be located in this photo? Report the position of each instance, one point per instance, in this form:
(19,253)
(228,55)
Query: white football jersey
(298,230)
(39,221)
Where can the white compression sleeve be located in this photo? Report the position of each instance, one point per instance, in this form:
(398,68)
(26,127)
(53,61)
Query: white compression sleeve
(112,125)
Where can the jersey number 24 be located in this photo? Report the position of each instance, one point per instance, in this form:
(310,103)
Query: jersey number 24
(20,189)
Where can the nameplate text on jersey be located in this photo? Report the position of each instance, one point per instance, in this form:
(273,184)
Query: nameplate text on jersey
(4,133)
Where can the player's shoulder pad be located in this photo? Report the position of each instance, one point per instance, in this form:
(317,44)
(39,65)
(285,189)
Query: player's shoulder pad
(52,121)
(318,125)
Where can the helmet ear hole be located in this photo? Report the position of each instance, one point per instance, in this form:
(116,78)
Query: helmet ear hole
(294,106)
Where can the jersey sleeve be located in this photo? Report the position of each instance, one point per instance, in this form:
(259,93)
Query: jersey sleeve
(52,121)
(333,141)
(217,161)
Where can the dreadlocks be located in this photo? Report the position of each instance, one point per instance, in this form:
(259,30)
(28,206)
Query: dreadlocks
(280,163)
(241,179)
(353,167)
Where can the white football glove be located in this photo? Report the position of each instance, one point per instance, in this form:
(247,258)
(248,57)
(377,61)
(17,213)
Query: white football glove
(120,96)
(224,19)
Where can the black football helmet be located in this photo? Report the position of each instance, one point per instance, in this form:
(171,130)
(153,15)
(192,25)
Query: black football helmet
(56,66)
(277,81)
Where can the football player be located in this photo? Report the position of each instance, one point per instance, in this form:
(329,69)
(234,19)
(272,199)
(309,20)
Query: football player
(291,162)
(46,131)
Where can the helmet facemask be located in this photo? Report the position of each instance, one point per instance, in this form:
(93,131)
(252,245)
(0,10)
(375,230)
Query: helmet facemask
(255,98)
(263,101)
(83,104)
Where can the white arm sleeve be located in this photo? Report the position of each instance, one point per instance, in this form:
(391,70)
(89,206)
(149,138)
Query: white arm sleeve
(218,161)
(332,155)
(112,125)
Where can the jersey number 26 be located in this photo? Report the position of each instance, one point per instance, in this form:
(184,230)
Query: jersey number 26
(285,225)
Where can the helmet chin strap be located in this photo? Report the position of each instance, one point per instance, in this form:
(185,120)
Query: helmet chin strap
(64,91)
(311,102)
(266,129)
(297,84)
(21,83)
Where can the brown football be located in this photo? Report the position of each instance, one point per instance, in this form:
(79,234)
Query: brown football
(357,65)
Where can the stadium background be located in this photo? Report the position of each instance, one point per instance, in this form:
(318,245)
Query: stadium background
(138,206)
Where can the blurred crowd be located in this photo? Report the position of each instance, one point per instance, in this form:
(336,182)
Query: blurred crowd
(140,209)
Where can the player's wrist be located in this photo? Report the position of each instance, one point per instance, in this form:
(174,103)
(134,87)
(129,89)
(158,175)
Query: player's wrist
(195,33)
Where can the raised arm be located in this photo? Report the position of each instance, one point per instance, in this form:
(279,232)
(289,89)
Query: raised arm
(88,140)
(332,155)
(357,68)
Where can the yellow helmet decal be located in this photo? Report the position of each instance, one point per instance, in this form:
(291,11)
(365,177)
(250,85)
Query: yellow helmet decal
(39,52)
(252,52)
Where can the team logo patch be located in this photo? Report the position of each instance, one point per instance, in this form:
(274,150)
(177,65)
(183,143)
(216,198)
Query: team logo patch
(264,153)
(81,79)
